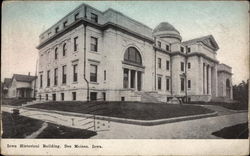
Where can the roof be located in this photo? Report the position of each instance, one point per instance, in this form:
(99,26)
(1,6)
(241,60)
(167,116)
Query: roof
(165,26)
(24,78)
(207,40)
(7,82)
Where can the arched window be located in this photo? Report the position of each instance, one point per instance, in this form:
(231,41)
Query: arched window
(132,55)
(56,53)
(64,49)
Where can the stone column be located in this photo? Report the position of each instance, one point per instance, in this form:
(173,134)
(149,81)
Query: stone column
(205,79)
(216,80)
(210,80)
(129,77)
(135,80)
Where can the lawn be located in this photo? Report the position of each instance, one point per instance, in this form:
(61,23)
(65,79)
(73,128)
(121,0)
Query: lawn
(239,131)
(15,102)
(233,106)
(130,110)
(24,126)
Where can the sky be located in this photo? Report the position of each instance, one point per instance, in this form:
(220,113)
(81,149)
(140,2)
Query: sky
(227,21)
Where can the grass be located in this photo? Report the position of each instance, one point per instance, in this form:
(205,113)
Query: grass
(130,110)
(22,126)
(233,105)
(15,102)
(62,132)
(239,131)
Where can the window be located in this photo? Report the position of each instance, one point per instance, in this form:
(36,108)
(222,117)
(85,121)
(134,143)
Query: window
(182,84)
(93,96)
(182,49)
(132,55)
(94,18)
(159,63)
(93,44)
(47,97)
(167,47)
(167,65)
(57,29)
(76,43)
(56,53)
(76,16)
(65,24)
(41,81)
(55,76)
(75,71)
(73,96)
(54,97)
(125,78)
(167,84)
(159,44)
(159,83)
(188,49)
(182,66)
(64,74)
(93,73)
(104,96)
(104,75)
(122,98)
(189,84)
(62,96)
(189,65)
(64,49)
(48,78)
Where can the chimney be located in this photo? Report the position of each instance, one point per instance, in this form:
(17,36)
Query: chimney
(29,74)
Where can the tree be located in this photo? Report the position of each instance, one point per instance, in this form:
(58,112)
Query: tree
(240,92)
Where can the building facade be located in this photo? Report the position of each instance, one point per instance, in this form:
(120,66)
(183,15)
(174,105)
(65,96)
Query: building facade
(94,55)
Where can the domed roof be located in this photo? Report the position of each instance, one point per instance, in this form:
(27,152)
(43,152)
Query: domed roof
(166,30)
(165,26)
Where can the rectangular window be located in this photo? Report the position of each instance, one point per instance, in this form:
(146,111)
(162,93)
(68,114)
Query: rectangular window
(182,49)
(41,81)
(73,96)
(47,97)
(75,72)
(125,78)
(76,16)
(167,65)
(104,96)
(94,18)
(93,96)
(56,53)
(159,83)
(188,49)
(159,63)
(159,44)
(189,65)
(62,96)
(48,78)
(167,84)
(54,97)
(94,44)
(64,76)
(76,43)
(65,24)
(182,84)
(104,75)
(167,47)
(55,76)
(189,84)
(182,66)
(57,29)
(93,73)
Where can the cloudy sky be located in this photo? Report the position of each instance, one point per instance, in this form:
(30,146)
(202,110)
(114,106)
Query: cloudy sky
(23,22)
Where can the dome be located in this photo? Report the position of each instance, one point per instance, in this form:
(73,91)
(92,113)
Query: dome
(166,30)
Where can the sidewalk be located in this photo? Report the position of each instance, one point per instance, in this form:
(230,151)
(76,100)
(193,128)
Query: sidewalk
(192,129)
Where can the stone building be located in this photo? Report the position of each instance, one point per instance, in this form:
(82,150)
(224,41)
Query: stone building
(94,55)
